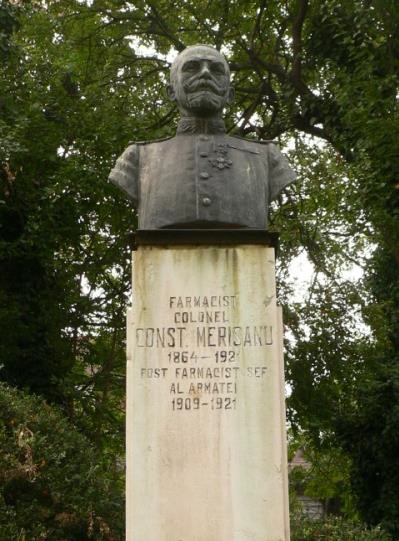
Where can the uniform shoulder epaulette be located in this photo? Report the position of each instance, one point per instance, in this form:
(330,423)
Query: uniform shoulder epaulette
(249,140)
(151,141)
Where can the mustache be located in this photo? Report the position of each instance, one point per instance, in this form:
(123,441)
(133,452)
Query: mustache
(203,84)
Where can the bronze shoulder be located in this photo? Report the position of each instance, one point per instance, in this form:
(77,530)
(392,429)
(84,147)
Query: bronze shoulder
(142,143)
(255,141)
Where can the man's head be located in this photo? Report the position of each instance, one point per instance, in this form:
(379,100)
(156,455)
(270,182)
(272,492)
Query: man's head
(200,81)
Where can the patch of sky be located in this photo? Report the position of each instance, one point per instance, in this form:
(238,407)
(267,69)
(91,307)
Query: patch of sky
(57,38)
(150,52)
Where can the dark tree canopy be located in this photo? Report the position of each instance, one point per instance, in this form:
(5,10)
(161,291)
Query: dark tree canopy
(81,79)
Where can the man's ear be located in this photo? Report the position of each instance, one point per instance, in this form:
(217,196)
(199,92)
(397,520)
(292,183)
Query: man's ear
(171,92)
(231,95)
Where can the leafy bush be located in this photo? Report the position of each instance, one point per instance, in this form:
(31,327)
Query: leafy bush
(53,486)
(333,529)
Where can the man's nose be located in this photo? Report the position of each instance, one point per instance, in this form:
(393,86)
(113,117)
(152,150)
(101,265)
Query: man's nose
(205,71)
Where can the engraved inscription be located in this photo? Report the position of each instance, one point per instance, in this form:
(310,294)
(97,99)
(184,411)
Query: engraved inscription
(201,354)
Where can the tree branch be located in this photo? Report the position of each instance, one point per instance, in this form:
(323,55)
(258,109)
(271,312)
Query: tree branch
(256,29)
(297,40)
(160,21)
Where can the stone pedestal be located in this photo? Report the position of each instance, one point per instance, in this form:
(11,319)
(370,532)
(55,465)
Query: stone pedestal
(206,448)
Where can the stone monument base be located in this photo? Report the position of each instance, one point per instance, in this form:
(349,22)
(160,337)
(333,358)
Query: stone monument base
(206,443)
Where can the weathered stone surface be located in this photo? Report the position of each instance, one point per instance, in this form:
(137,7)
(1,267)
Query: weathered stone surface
(206,456)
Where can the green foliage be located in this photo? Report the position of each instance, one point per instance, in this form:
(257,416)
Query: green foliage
(54,485)
(325,478)
(81,79)
(369,432)
(333,529)
(64,252)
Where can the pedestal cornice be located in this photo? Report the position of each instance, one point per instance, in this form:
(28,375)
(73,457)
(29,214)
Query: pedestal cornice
(201,237)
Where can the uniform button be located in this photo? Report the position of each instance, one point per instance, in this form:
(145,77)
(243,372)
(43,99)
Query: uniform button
(204,174)
(206,201)
(203,154)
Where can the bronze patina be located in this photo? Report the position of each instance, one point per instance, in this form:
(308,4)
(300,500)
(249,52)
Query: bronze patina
(202,178)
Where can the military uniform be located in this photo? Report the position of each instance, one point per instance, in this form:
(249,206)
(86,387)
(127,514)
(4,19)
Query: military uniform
(200,180)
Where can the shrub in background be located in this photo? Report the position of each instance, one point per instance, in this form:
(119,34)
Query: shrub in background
(54,485)
(332,529)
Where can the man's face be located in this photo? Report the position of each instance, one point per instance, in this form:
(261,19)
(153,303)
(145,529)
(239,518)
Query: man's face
(201,83)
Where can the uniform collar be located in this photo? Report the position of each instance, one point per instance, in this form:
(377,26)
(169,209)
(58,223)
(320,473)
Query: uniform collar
(191,125)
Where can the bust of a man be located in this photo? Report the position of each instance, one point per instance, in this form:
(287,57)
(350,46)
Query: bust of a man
(201,178)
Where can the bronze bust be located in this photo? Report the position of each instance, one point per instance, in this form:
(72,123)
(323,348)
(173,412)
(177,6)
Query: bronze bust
(202,178)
